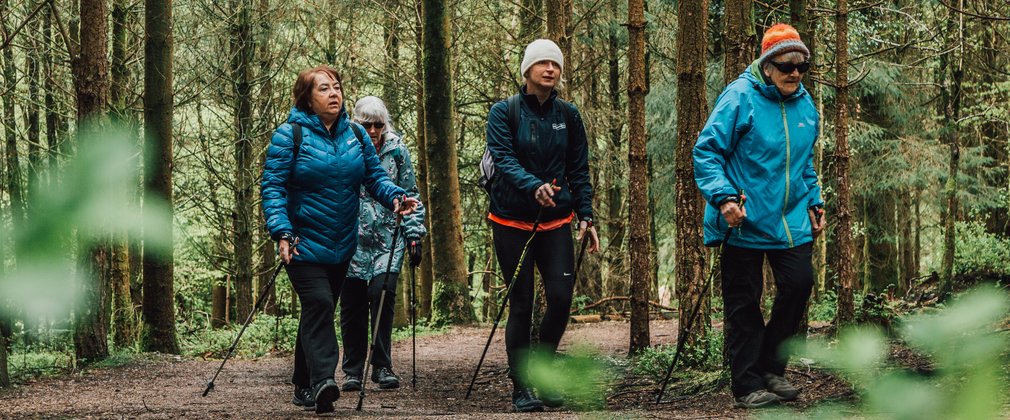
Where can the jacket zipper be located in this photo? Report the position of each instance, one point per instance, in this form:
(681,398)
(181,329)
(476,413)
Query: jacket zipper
(785,203)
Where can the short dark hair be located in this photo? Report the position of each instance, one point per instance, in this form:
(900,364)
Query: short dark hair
(306,82)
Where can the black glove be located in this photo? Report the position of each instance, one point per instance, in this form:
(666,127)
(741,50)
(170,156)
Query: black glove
(414,251)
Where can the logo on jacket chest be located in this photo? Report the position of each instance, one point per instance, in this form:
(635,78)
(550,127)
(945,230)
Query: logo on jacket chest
(558,126)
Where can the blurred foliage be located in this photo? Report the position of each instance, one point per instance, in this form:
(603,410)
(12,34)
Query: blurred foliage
(89,199)
(969,381)
(579,375)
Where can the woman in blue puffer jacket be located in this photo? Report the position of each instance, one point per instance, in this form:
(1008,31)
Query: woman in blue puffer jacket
(759,143)
(310,202)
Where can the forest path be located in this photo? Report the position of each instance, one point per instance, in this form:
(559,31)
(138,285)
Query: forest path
(170,387)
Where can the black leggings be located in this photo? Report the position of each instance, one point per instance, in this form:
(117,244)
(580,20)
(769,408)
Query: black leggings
(753,346)
(316,352)
(553,253)
(358,299)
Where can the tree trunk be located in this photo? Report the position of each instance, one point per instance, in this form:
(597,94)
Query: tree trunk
(952,69)
(531,23)
(424,280)
(267,107)
(881,235)
(638,182)
(738,35)
(905,243)
(124,320)
(48,85)
(242,52)
(32,113)
(159,296)
(91,81)
(218,307)
(917,246)
(11,161)
(616,232)
(842,211)
(691,114)
(559,12)
(451,301)
(5,377)
(390,87)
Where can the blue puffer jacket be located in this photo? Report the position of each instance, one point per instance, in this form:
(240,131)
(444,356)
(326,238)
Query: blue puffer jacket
(759,143)
(320,205)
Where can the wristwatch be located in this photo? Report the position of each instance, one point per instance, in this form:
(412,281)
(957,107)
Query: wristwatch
(588,220)
(732,198)
(290,237)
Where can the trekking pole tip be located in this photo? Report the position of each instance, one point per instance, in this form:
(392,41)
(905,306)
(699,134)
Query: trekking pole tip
(210,386)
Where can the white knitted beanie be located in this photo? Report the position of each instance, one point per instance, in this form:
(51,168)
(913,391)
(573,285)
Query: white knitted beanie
(540,50)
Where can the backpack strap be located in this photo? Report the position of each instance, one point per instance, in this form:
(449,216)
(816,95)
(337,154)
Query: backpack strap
(296,130)
(359,135)
(565,111)
(513,104)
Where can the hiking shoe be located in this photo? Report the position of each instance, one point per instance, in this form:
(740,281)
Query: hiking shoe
(385,377)
(325,393)
(303,398)
(351,383)
(778,385)
(757,399)
(551,398)
(523,401)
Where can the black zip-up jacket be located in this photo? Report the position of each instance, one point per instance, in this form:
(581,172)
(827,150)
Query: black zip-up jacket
(545,148)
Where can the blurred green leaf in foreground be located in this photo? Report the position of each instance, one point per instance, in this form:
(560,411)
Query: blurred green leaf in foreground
(964,344)
(90,197)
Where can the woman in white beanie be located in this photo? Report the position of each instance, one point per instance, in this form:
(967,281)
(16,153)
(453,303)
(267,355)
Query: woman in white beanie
(540,185)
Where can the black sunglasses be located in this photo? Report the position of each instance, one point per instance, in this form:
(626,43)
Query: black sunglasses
(369,124)
(788,67)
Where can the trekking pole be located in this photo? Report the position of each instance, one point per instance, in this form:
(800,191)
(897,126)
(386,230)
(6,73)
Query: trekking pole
(691,318)
(413,330)
(378,313)
(508,291)
(582,249)
(248,319)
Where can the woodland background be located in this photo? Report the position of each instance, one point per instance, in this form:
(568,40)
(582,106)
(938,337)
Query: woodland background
(913,155)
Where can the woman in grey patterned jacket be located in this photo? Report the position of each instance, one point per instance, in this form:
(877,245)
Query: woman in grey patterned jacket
(359,299)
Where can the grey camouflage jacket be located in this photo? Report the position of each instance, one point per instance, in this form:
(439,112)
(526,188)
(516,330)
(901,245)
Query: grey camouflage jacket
(376,223)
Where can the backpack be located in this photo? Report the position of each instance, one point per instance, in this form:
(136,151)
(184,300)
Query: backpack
(297,148)
(488,175)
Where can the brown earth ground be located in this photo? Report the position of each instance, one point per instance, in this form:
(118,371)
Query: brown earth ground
(161,386)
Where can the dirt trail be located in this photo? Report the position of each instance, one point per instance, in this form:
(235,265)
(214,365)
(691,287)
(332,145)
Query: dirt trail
(171,387)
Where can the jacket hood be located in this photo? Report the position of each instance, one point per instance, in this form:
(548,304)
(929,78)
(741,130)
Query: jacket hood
(312,121)
(756,77)
(390,142)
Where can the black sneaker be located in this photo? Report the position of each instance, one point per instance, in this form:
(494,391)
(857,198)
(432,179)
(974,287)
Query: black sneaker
(303,398)
(551,398)
(325,393)
(351,383)
(757,399)
(385,377)
(523,401)
(778,385)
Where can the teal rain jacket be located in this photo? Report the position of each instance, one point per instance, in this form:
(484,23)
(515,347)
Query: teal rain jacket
(320,204)
(760,144)
(376,223)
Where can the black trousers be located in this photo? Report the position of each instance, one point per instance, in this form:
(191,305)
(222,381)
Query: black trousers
(359,305)
(753,347)
(552,252)
(316,352)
